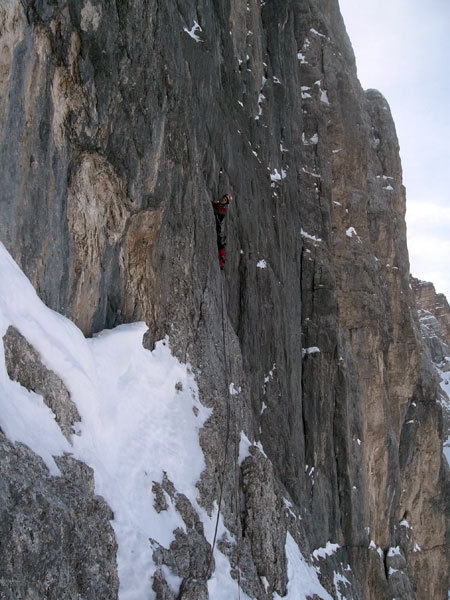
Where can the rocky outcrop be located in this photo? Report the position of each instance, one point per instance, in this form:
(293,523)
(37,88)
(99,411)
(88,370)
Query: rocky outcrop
(57,541)
(46,518)
(119,122)
(24,365)
(189,555)
(434,317)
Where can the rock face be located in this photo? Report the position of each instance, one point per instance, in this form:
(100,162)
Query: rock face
(119,122)
(434,318)
(45,518)
(24,365)
(57,541)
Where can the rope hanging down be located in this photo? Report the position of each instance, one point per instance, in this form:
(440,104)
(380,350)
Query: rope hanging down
(225,455)
(236,440)
(207,574)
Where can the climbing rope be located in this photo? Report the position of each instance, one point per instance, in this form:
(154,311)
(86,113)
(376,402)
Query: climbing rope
(227,438)
(225,454)
(236,442)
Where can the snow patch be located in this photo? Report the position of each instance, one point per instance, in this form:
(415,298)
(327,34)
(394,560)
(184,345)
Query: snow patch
(288,505)
(328,550)
(312,141)
(338,581)
(324,97)
(192,32)
(308,236)
(404,523)
(304,90)
(261,99)
(262,264)
(311,173)
(310,350)
(317,33)
(244,447)
(275,175)
(233,390)
(268,377)
(303,581)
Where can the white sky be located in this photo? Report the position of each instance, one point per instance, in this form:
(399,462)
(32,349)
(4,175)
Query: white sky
(402,48)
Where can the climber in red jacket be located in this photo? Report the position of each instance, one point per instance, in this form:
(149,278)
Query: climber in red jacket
(220,210)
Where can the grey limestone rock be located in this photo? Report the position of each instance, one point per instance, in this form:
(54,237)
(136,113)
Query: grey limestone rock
(189,555)
(24,365)
(117,128)
(47,548)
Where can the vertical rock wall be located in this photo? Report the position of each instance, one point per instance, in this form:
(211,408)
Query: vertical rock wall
(120,121)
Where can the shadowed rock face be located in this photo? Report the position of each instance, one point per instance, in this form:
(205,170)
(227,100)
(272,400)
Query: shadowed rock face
(120,121)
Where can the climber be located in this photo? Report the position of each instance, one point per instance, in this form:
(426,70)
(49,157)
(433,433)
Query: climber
(220,210)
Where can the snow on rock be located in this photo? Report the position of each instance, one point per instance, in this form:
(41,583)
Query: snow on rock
(244,447)
(324,97)
(308,236)
(310,350)
(275,175)
(23,415)
(312,141)
(234,390)
(378,549)
(444,399)
(339,582)
(393,551)
(404,523)
(269,377)
(140,416)
(303,582)
(261,99)
(312,173)
(305,92)
(317,33)
(262,264)
(193,31)
(328,550)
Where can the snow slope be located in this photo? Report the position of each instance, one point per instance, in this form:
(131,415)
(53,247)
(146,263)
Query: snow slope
(140,415)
